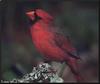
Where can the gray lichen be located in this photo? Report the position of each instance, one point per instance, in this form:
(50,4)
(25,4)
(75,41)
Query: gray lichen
(42,73)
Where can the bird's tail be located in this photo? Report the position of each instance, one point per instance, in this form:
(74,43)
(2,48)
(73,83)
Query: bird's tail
(72,63)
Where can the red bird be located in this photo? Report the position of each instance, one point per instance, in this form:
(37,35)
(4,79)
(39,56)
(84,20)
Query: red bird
(52,44)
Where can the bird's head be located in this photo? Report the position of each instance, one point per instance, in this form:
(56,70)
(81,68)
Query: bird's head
(39,14)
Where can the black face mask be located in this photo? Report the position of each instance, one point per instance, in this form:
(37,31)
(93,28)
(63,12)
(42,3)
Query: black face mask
(32,22)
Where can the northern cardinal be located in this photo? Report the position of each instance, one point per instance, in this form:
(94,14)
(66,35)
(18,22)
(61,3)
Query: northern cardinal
(52,44)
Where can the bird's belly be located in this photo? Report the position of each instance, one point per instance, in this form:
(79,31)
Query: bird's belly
(42,44)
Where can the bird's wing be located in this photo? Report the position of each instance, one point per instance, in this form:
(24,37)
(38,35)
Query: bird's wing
(65,44)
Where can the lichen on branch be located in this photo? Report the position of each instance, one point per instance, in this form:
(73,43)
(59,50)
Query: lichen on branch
(42,73)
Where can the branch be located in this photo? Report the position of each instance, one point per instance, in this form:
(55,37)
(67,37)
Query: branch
(42,73)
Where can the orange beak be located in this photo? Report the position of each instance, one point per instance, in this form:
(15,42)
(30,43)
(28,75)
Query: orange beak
(31,15)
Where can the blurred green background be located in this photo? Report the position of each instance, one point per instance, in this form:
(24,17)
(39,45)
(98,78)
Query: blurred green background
(77,18)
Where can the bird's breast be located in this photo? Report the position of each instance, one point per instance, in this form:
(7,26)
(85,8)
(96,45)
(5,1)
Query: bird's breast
(40,38)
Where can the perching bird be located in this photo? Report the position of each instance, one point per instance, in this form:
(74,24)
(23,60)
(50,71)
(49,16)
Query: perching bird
(50,42)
